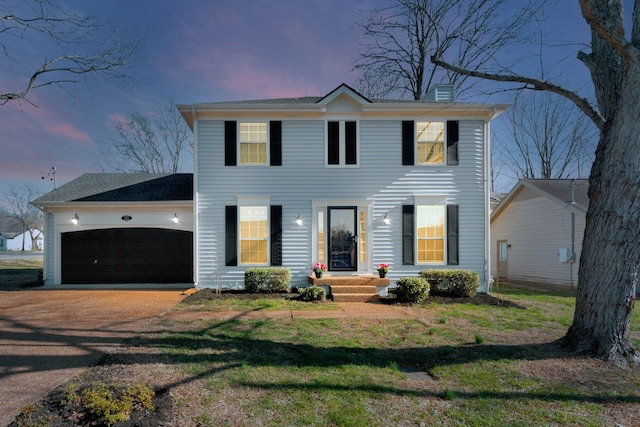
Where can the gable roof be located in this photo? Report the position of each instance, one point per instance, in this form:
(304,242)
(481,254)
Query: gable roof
(317,105)
(556,190)
(122,187)
(343,88)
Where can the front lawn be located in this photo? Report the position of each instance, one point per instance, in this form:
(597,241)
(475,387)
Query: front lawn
(457,364)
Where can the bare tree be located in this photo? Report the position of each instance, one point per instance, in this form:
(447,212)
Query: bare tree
(157,143)
(77,47)
(610,257)
(547,138)
(400,38)
(20,210)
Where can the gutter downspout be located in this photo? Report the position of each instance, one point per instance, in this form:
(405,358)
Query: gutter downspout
(487,206)
(196,204)
(573,233)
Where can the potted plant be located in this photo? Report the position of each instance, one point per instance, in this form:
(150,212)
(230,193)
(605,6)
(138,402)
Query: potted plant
(319,268)
(382,270)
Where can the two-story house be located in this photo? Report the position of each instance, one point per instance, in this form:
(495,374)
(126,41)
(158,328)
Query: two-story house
(342,180)
(338,179)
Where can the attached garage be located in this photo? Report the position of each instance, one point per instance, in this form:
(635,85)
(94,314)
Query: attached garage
(127,255)
(119,229)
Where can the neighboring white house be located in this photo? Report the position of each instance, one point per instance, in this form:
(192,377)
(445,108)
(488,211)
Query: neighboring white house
(23,241)
(537,230)
(4,237)
(338,179)
(13,238)
(343,180)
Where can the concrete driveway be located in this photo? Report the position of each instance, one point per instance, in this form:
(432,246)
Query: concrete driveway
(49,336)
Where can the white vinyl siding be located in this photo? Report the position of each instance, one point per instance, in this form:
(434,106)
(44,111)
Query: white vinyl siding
(536,228)
(379,178)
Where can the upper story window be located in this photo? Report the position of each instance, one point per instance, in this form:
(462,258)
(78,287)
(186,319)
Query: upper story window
(430,142)
(342,143)
(253,143)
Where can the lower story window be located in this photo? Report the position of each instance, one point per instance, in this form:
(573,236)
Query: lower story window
(254,234)
(430,224)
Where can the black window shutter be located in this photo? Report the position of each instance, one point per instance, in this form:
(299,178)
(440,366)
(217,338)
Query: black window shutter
(452,235)
(408,143)
(276,235)
(350,133)
(407,235)
(452,142)
(333,139)
(230,138)
(275,143)
(231,235)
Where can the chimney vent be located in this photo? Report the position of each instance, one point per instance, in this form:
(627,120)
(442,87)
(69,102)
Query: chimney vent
(439,93)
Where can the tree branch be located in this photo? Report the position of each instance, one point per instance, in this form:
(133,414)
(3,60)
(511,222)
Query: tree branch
(531,83)
(613,36)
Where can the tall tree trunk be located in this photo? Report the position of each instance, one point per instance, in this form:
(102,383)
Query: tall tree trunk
(610,256)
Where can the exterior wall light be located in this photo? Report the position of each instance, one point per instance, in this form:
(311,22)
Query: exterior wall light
(75,219)
(298,220)
(175,218)
(386,219)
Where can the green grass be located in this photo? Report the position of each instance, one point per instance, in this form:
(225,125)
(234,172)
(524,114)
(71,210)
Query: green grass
(16,272)
(16,265)
(238,304)
(488,366)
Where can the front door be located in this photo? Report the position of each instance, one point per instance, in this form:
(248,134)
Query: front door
(343,239)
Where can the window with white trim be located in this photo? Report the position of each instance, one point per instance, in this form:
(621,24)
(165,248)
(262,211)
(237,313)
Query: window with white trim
(342,143)
(430,224)
(254,235)
(430,141)
(253,143)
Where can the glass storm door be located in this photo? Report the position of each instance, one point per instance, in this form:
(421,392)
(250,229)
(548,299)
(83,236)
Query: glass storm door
(343,239)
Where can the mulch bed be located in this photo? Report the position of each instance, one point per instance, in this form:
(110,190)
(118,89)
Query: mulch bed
(204,295)
(53,411)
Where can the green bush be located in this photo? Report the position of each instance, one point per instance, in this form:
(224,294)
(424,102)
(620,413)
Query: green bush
(113,402)
(267,279)
(312,293)
(452,283)
(412,289)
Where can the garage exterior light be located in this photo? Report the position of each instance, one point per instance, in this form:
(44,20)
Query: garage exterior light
(175,218)
(75,219)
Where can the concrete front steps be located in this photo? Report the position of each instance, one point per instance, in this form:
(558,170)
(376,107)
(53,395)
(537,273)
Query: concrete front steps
(362,288)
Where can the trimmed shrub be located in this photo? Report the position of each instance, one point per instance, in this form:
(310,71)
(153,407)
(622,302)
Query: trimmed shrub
(267,279)
(452,283)
(312,293)
(412,289)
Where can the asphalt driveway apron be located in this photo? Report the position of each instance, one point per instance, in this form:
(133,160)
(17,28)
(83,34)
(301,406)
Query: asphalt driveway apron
(49,336)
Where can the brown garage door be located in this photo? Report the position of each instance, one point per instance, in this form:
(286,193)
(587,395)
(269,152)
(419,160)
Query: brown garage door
(127,255)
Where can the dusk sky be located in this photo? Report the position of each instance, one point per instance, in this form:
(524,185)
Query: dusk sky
(193,51)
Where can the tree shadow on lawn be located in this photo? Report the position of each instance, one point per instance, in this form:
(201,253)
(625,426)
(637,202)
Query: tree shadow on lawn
(231,344)
(235,351)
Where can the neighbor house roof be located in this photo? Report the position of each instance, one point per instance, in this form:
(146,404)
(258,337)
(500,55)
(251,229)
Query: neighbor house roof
(122,187)
(566,192)
(10,227)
